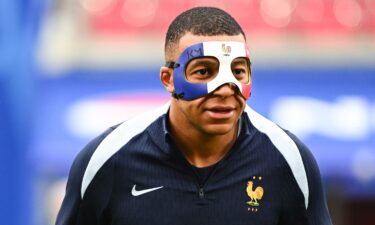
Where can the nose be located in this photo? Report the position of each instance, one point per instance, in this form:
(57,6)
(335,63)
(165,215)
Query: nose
(226,90)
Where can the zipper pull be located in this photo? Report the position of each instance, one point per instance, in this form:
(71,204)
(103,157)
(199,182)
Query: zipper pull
(201,193)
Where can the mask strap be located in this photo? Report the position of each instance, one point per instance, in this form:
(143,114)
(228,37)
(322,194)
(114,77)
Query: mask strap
(172,65)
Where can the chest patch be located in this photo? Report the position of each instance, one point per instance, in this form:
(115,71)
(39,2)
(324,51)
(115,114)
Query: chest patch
(255,192)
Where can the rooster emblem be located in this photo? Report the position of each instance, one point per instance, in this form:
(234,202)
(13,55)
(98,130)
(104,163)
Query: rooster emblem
(226,49)
(254,195)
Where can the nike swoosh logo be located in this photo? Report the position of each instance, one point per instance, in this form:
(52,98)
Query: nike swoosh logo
(138,193)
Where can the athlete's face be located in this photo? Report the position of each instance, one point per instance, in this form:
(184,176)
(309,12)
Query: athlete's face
(214,114)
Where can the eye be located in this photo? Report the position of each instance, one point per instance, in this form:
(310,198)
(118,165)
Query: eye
(204,72)
(201,70)
(239,71)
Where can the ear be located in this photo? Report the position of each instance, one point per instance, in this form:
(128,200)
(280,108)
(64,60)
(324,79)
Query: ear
(166,77)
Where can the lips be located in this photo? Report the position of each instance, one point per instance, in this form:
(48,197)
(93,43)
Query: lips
(221,112)
(221,109)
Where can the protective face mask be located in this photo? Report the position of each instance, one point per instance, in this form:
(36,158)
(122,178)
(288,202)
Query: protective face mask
(204,67)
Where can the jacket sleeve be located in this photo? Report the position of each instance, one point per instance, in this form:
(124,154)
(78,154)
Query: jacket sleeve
(72,210)
(317,210)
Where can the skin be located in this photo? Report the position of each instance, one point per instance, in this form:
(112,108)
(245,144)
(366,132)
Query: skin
(206,128)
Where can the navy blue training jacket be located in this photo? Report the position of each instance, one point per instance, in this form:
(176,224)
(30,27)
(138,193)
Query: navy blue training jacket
(133,174)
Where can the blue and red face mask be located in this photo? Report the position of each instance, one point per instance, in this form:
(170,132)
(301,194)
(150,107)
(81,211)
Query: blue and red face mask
(206,66)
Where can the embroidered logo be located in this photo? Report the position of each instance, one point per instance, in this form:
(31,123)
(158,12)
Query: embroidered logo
(226,49)
(255,194)
(142,192)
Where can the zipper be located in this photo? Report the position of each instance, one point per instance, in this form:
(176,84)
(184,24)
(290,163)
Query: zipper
(201,187)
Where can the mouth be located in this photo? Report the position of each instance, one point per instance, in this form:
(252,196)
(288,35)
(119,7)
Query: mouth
(222,112)
(221,109)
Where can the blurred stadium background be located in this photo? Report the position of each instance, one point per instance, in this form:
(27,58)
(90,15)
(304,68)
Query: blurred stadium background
(71,68)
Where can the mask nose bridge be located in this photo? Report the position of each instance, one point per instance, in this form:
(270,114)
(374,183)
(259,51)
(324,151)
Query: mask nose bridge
(224,76)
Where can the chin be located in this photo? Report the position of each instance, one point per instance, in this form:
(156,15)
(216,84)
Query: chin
(219,129)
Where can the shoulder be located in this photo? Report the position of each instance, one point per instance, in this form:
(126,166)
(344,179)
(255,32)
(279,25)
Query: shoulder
(95,166)
(82,159)
(104,148)
(77,170)
(307,156)
(286,142)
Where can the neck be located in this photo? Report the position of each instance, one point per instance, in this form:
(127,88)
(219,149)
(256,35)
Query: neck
(202,149)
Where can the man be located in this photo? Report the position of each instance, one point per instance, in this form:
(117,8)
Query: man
(205,157)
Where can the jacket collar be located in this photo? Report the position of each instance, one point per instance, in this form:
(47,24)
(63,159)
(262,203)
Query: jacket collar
(160,134)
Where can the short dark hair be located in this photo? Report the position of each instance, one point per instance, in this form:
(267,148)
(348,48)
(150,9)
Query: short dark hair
(205,21)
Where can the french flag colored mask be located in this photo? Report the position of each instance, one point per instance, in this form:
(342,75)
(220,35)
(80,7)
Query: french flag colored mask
(204,67)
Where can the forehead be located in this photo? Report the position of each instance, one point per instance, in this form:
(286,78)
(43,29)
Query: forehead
(190,39)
